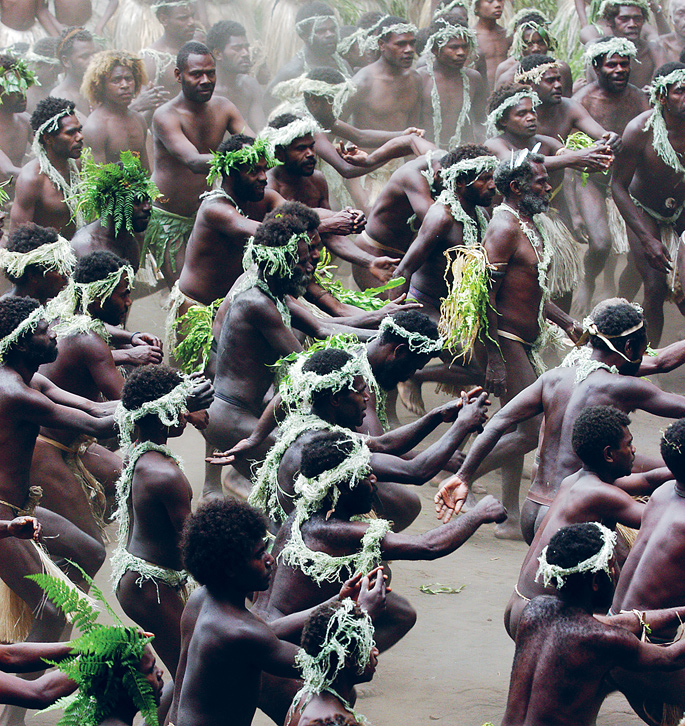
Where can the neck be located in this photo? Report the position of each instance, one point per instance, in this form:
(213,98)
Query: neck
(673,122)
(227,186)
(487,23)
(228,593)
(343,685)
(324,411)
(226,78)
(17,363)
(170,42)
(606,476)
(515,203)
(116,108)
(389,68)
(195,107)
(28,289)
(373,354)
(71,79)
(155,433)
(286,175)
(61,163)
(518,141)
(448,71)
(581,600)
(680,488)
(6,113)
(467,206)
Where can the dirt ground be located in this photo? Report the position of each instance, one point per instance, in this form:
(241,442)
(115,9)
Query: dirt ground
(454,666)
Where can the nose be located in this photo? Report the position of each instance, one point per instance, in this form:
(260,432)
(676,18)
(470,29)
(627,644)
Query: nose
(269,559)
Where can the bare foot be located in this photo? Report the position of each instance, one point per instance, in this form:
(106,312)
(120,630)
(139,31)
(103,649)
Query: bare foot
(510,529)
(410,395)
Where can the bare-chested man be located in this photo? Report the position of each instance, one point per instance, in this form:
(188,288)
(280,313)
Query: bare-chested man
(618,341)
(224,550)
(179,22)
(112,81)
(648,185)
(186,131)
(493,42)
(316,24)
(399,210)
(564,653)
(44,273)
(44,192)
(153,503)
(120,198)
(229,44)
(74,51)
(612,101)
(627,20)
(673,44)
(531,34)
(30,401)
(599,492)
(456,113)
(389,91)
(227,218)
(519,303)
(15,129)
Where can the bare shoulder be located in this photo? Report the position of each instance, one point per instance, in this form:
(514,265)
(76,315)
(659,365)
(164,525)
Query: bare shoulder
(222,105)
(30,176)
(497,146)
(585,91)
(166,113)
(158,468)
(635,130)
(550,145)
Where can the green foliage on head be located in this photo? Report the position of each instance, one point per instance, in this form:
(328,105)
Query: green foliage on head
(105,660)
(15,76)
(110,190)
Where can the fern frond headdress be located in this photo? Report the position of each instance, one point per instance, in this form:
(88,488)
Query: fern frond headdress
(25,327)
(350,635)
(110,190)
(247,155)
(77,297)
(16,78)
(168,409)
(57,256)
(105,660)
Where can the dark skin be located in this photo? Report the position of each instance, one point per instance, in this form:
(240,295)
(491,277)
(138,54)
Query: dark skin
(100,235)
(38,283)
(291,590)
(113,127)
(233,65)
(158,508)
(220,636)
(406,193)
(213,257)
(31,401)
(15,133)
(36,198)
(389,90)
(599,493)
(533,43)
(23,15)
(673,43)
(561,645)
(613,102)
(296,179)
(347,409)
(74,66)
(186,130)
(449,62)
(557,396)
(641,173)
(493,41)
(85,367)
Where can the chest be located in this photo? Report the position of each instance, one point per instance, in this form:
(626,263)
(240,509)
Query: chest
(390,95)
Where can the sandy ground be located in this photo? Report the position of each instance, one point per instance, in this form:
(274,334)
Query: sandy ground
(454,666)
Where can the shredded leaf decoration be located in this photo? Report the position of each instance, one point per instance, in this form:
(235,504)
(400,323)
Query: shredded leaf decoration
(193,351)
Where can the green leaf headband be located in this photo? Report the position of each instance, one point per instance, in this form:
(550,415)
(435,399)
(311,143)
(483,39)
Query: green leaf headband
(53,256)
(25,327)
(17,78)
(168,409)
(248,155)
(294,130)
(642,4)
(476,166)
(4,196)
(615,46)
(274,261)
(347,634)
(496,114)
(417,342)
(110,190)
(597,562)
(351,472)
(295,88)
(534,75)
(446,33)
(98,658)
(518,45)
(76,297)
(449,8)
(398,28)
(315,20)
(660,85)
(298,386)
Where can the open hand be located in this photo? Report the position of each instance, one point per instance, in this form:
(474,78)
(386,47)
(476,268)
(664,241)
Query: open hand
(450,497)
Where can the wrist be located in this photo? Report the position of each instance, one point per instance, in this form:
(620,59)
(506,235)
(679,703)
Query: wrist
(133,335)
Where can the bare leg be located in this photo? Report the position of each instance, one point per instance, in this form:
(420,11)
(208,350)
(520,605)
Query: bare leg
(157,613)
(395,622)
(630,282)
(593,208)
(520,375)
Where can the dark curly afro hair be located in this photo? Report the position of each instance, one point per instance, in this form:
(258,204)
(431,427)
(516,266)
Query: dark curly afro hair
(596,428)
(148,383)
(27,237)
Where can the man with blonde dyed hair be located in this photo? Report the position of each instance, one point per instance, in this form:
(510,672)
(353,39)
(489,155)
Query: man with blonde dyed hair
(113,79)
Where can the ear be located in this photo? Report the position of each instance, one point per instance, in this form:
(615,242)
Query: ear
(279,153)
(400,351)
(608,454)
(177,75)
(515,186)
(460,186)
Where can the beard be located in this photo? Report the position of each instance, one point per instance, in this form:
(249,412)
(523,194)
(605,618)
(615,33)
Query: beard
(533,204)
(296,286)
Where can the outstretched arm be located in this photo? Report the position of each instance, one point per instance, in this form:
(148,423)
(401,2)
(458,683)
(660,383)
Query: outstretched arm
(644,483)
(167,128)
(30,657)
(42,692)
